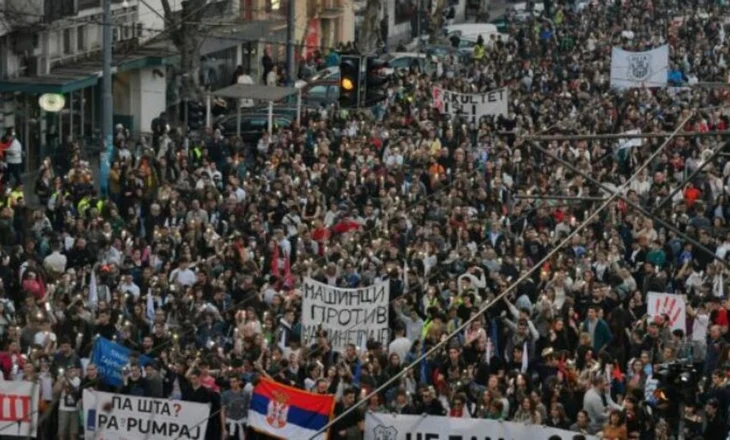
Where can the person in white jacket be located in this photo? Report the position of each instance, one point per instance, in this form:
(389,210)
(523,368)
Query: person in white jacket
(13,156)
(598,403)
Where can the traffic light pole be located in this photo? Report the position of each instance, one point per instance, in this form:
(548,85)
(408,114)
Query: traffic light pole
(290,22)
(350,81)
(363,95)
(418,23)
(107,105)
(186,114)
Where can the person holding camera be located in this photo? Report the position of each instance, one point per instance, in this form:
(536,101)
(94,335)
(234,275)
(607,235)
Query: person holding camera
(68,391)
(134,383)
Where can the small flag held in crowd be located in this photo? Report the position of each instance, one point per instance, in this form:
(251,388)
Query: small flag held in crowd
(617,374)
(93,290)
(525,360)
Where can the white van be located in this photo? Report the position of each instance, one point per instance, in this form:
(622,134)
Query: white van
(521,13)
(467,29)
(471,32)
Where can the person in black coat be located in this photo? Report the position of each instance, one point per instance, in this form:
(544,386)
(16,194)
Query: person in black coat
(429,404)
(349,423)
(193,391)
(715,427)
(268,65)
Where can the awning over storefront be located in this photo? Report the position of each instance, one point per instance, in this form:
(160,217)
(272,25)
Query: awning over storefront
(48,84)
(86,73)
(255,92)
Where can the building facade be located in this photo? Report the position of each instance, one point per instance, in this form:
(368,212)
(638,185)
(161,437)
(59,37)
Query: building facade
(54,46)
(401,15)
(318,23)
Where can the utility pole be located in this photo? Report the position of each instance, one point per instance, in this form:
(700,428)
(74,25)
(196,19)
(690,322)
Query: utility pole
(107,103)
(290,22)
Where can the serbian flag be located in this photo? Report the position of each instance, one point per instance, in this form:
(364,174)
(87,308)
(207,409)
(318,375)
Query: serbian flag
(346,225)
(286,412)
(617,374)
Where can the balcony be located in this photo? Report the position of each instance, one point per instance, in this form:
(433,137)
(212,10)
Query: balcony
(91,4)
(57,9)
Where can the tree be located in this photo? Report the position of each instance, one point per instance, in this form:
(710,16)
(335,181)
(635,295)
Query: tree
(370,28)
(436,23)
(184,29)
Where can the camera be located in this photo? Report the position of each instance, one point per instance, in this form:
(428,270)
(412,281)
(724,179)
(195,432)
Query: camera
(677,382)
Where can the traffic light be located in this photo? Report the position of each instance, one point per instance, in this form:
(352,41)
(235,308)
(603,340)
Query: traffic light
(349,81)
(375,81)
(196,115)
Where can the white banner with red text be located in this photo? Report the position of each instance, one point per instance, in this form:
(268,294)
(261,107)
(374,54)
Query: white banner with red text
(111,416)
(382,426)
(18,409)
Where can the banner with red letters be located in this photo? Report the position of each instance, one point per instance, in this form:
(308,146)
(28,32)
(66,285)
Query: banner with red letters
(18,409)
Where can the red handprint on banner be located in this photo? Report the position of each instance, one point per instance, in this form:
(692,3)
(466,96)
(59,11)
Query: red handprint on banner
(670,306)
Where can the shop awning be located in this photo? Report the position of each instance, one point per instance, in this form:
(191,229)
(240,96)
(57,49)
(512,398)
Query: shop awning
(48,84)
(258,93)
(86,72)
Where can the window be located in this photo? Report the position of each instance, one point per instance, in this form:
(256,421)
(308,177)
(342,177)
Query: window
(404,11)
(67,48)
(81,38)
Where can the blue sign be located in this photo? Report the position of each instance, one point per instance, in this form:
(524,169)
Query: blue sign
(110,359)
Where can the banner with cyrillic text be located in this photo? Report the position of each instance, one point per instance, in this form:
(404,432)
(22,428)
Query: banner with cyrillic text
(18,409)
(381,426)
(349,316)
(473,106)
(119,417)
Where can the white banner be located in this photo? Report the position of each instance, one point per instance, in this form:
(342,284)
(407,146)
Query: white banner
(471,105)
(639,69)
(630,142)
(381,426)
(119,417)
(350,316)
(668,304)
(18,409)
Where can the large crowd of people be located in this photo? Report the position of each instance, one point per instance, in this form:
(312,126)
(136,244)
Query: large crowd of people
(196,256)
